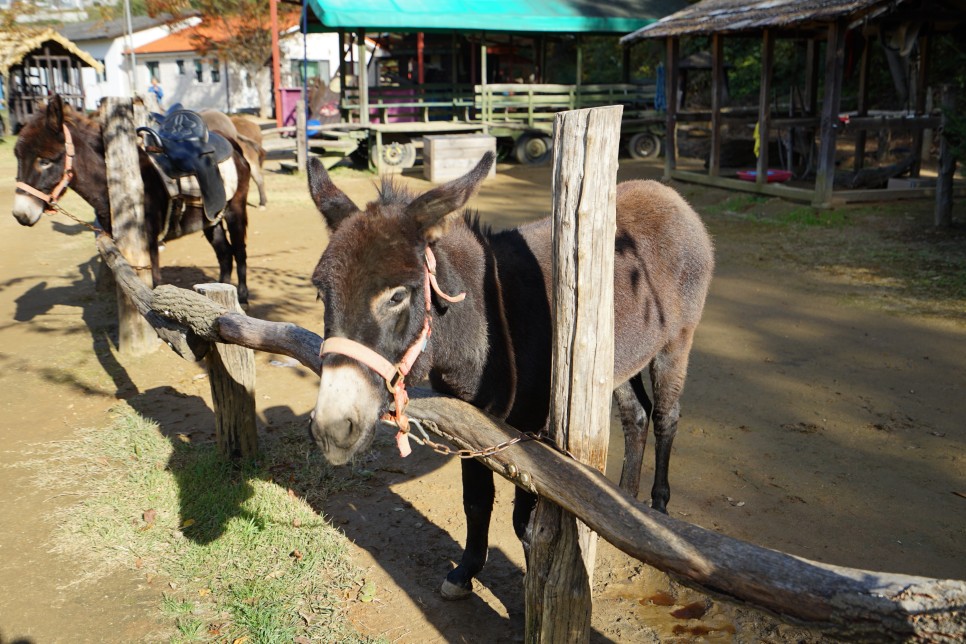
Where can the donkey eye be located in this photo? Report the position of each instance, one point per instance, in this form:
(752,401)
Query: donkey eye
(398,296)
(44,163)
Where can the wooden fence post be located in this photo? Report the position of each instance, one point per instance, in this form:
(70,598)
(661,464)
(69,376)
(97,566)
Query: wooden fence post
(947,162)
(231,370)
(562,552)
(301,137)
(126,193)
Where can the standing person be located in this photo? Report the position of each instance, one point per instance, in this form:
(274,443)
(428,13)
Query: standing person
(156,90)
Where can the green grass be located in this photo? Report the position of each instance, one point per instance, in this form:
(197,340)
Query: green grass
(236,548)
(735,204)
(811,217)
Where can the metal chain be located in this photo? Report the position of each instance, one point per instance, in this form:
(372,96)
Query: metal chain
(55,208)
(446,450)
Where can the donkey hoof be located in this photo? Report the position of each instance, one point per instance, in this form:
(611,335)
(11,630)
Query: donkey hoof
(452,591)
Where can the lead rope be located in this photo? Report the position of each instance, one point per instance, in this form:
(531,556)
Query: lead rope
(398,388)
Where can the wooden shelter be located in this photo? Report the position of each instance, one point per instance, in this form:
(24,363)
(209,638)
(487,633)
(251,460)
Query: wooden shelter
(36,64)
(814,129)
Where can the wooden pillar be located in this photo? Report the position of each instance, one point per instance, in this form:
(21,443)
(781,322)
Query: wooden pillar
(346,114)
(672,47)
(420,63)
(126,193)
(811,77)
(276,64)
(231,372)
(862,109)
(947,162)
(834,63)
(921,91)
(717,100)
(560,569)
(764,104)
(301,136)
(362,78)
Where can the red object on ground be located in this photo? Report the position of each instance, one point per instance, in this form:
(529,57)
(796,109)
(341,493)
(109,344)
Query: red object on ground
(773,176)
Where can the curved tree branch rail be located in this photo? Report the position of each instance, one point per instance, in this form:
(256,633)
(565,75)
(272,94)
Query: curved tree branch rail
(858,605)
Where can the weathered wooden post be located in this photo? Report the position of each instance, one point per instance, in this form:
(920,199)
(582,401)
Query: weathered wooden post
(231,370)
(947,162)
(126,193)
(560,568)
(301,136)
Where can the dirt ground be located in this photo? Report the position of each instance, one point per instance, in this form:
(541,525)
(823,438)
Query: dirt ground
(816,421)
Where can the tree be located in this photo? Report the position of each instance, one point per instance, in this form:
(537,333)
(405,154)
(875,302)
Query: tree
(236,31)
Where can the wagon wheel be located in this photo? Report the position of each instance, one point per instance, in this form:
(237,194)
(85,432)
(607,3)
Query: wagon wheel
(533,148)
(644,145)
(399,154)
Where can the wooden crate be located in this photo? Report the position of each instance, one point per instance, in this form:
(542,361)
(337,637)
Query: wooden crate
(449,156)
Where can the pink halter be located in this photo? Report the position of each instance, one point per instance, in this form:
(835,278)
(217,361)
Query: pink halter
(61,187)
(395,374)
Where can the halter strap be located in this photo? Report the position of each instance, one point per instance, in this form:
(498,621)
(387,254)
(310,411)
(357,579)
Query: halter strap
(65,179)
(395,374)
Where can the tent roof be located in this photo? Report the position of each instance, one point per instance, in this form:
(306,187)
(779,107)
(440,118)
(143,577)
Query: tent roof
(547,16)
(14,47)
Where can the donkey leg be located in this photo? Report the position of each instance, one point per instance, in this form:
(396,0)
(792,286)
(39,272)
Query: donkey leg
(237,222)
(523,504)
(668,371)
(219,241)
(478,495)
(634,408)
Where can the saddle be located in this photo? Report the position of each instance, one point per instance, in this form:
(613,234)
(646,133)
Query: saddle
(182,146)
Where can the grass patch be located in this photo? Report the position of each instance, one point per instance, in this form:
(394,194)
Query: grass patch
(812,217)
(738,203)
(237,548)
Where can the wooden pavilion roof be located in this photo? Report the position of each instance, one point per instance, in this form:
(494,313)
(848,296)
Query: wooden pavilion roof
(16,45)
(738,16)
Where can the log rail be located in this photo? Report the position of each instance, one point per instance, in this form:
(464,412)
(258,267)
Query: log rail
(853,604)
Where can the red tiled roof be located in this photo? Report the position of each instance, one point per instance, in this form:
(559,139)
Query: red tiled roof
(182,41)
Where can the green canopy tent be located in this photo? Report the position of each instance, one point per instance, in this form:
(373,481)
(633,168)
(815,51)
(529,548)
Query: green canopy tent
(456,56)
(533,16)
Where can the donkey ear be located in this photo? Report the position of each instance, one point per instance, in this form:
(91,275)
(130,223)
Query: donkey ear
(430,209)
(55,114)
(334,205)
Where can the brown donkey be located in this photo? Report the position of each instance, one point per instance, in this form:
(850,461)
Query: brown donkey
(493,348)
(60,147)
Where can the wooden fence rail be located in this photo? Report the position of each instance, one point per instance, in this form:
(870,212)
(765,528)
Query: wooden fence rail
(857,605)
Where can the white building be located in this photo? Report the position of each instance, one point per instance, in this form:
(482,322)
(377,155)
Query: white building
(108,43)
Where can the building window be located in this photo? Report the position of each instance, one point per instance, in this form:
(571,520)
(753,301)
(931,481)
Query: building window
(180,64)
(154,70)
(102,75)
(215,71)
(199,71)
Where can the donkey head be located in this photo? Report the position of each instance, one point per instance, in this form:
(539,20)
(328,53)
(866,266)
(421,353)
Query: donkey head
(41,157)
(371,279)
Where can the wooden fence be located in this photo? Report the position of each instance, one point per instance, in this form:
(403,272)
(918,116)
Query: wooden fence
(857,605)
